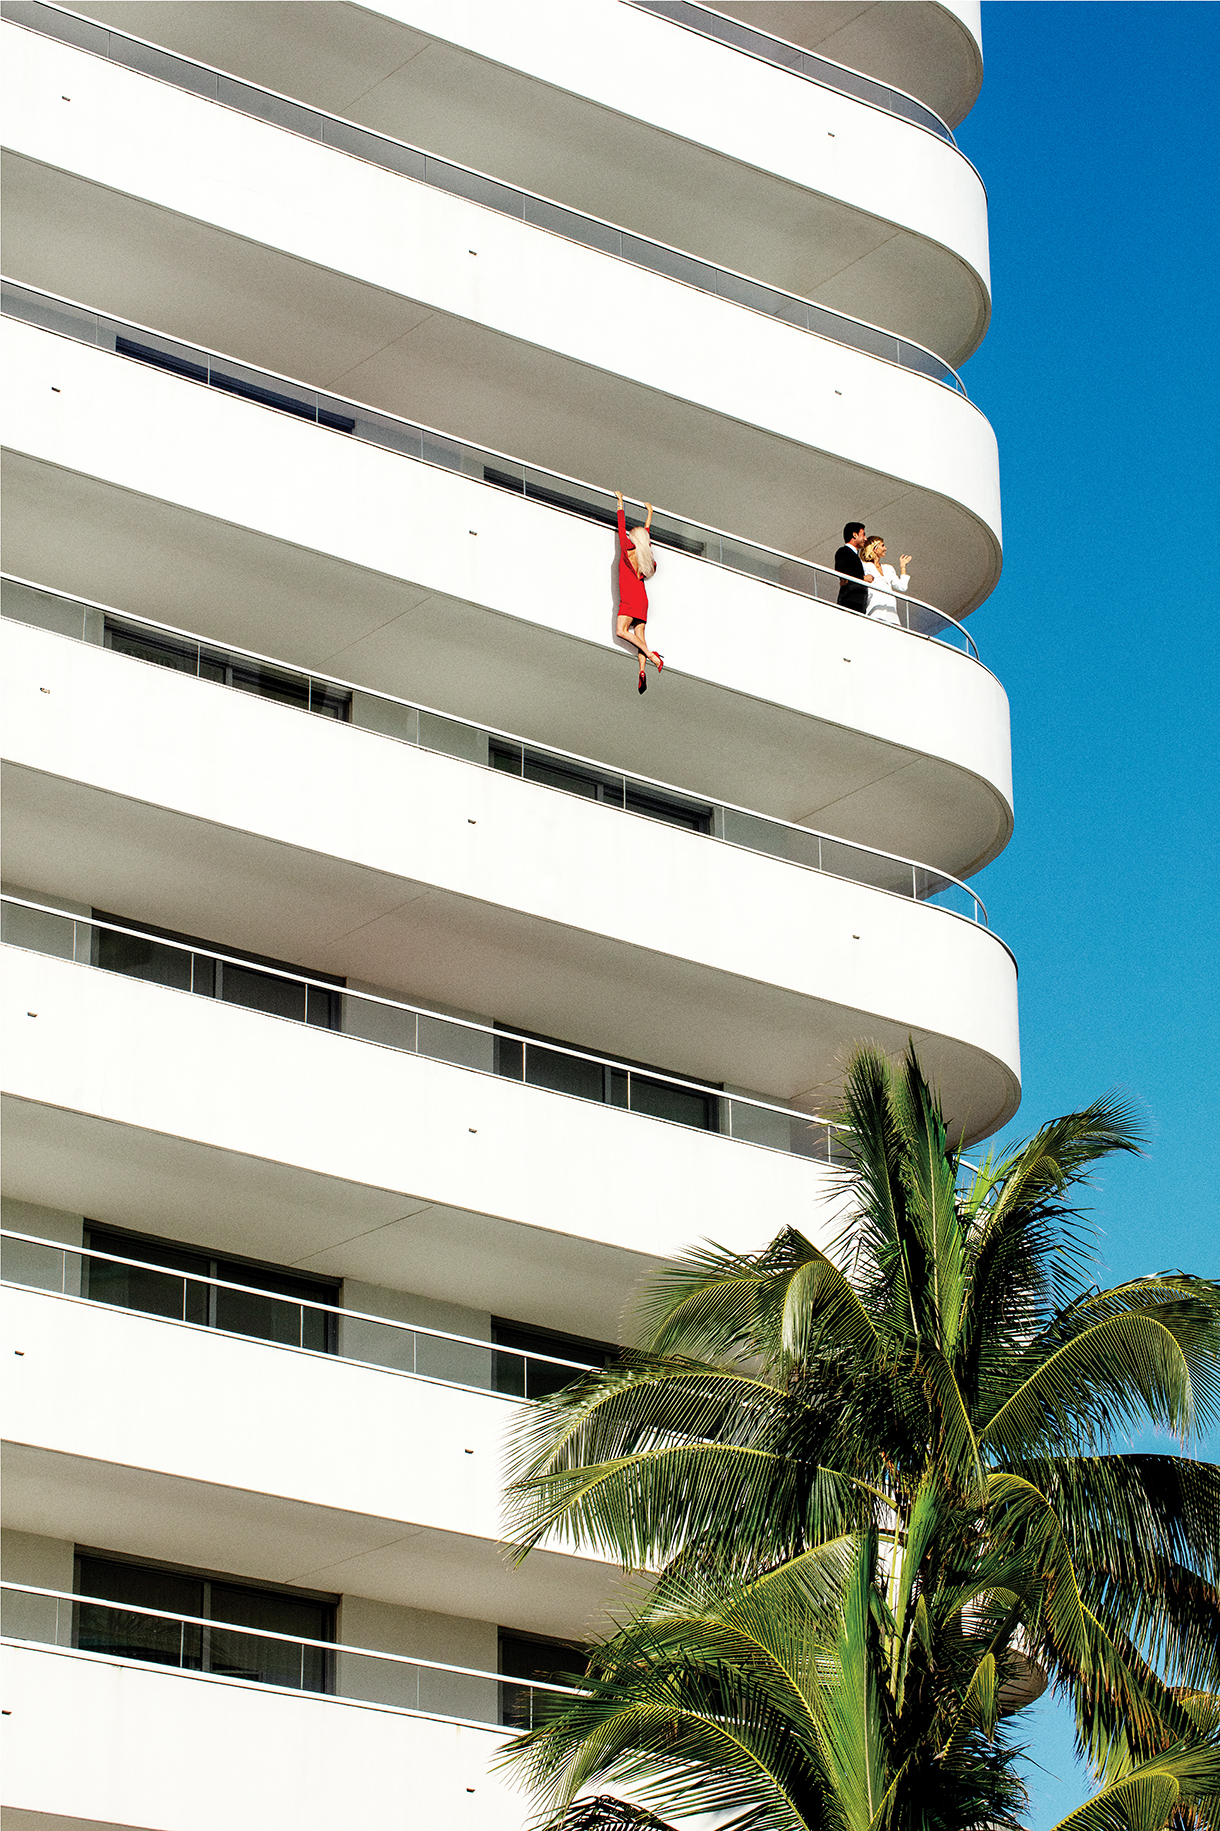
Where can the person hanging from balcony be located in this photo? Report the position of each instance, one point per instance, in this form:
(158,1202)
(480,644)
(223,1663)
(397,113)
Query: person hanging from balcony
(883,581)
(847,559)
(635,564)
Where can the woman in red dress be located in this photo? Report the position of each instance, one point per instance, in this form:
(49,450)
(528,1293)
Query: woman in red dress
(635,564)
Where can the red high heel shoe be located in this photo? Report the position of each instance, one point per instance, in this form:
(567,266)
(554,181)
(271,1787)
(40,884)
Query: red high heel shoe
(643,686)
(659,659)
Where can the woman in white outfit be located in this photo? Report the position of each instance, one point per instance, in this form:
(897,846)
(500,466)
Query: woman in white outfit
(882,581)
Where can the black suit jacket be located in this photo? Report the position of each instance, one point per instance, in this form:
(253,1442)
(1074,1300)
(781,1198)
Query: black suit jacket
(851,597)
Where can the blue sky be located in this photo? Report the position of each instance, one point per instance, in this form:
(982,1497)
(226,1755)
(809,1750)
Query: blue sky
(1096,136)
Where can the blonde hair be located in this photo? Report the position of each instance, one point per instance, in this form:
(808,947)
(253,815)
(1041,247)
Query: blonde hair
(643,551)
(870,547)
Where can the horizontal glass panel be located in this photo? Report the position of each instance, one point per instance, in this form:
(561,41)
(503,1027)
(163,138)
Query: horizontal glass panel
(140,957)
(123,1634)
(29,1262)
(40,930)
(251,385)
(162,353)
(408,441)
(446,1042)
(759,1125)
(52,314)
(373,148)
(154,1293)
(270,683)
(923,362)
(679,1105)
(267,107)
(472,185)
(329,702)
(152,61)
(260,1661)
(564,1074)
(668,261)
(572,225)
(462,1363)
(63,26)
(25,1617)
(452,738)
(146,645)
(892,874)
(44,610)
(255,991)
(380,1023)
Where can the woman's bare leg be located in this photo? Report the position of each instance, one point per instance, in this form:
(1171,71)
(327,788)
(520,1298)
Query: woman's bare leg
(629,635)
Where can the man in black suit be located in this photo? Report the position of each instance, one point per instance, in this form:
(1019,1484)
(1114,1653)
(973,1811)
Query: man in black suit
(847,559)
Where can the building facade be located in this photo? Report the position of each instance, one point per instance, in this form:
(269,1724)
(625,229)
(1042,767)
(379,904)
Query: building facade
(389,985)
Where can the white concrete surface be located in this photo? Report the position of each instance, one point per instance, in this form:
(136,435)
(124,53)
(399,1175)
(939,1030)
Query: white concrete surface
(264,1090)
(101,1741)
(714,153)
(148,793)
(230,519)
(931,48)
(245,1435)
(511,335)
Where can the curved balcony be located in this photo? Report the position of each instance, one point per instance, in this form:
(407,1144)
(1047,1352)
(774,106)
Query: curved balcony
(510,335)
(491,890)
(817,190)
(391,1023)
(403,721)
(933,49)
(239,520)
(783,54)
(354,1158)
(107,1741)
(326,1668)
(390,1482)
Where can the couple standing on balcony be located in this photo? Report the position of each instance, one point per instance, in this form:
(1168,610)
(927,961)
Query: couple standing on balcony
(862,556)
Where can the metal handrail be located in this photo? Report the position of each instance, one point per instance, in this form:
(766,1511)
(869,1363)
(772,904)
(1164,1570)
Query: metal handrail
(307,1303)
(784,54)
(937,881)
(293,1640)
(429,445)
(479,187)
(800,1123)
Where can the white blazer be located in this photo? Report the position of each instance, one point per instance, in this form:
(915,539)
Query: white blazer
(881,603)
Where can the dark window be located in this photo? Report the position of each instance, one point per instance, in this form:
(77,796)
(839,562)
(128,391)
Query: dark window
(614,1083)
(234,384)
(102,1627)
(143,956)
(287,1313)
(534,1379)
(532,1659)
(591,511)
(282,685)
(597,785)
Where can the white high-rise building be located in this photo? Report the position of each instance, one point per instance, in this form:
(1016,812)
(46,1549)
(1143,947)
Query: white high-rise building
(388,985)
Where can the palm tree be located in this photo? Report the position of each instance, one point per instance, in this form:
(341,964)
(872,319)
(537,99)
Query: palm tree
(879,1493)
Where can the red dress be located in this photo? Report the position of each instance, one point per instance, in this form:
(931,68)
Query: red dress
(632,597)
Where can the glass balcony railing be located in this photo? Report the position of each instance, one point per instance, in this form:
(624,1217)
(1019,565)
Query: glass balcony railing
(809,64)
(151,1288)
(326,696)
(204,1645)
(192,363)
(107,946)
(476,187)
